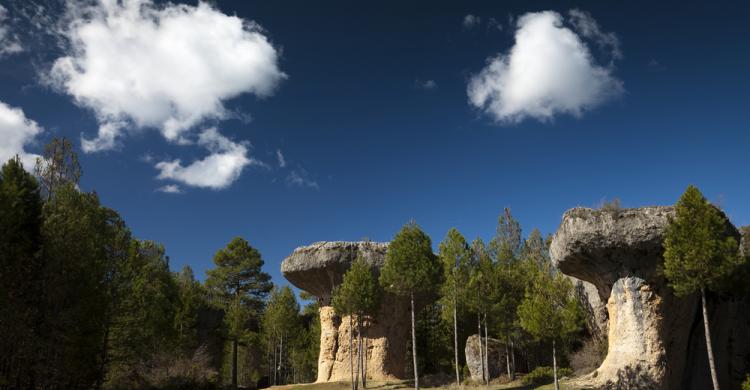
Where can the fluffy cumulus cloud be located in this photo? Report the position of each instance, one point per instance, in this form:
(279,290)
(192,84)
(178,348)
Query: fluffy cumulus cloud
(171,67)
(549,70)
(16,132)
(9,42)
(218,170)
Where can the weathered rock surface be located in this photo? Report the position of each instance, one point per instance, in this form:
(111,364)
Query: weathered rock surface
(655,339)
(320,267)
(495,360)
(595,309)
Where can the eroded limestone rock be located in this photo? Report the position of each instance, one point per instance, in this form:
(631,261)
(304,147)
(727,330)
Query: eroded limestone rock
(654,337)
(317,269)
(495,360)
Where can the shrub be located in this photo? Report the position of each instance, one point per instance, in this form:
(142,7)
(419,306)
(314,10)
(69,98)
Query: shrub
(746,383)
(543,374)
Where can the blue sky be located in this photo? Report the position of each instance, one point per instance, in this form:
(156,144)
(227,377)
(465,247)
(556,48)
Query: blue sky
(371,106)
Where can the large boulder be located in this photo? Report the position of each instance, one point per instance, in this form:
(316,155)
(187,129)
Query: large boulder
(495,360)
(318,269)
(655,338)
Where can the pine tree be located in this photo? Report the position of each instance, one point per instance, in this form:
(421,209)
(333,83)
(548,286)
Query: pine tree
(20,269)
(549,310)
(411,270)
(360,296)
(239,284)
(58,166)
(699,254)
(456,257)
(281,321)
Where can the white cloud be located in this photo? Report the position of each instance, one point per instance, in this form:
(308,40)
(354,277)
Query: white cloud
(300,177)
(171,67)
(218,170)
(9,42)
(471,21)
(548,71)
(280,158)
(170,189)
(589,28)
(16,132)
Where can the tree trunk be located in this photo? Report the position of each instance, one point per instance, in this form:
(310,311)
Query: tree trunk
(414,344)
(512,360)
(364,363)
(507,356)
(359,356)
(351,352)
(275,365)
(234,363)
(554,365)
(455,341)
(281,360)
(486,351)
(709,347)
(481,350)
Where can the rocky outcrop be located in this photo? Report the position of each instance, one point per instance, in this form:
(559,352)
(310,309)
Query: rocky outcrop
(655,339)
(594,307)
(495,360)
(320,267)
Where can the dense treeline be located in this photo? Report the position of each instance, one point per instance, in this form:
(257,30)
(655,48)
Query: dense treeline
(84,304)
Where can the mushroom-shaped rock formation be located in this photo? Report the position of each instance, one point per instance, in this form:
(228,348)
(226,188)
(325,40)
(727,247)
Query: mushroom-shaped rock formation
(320,267)
(655,339)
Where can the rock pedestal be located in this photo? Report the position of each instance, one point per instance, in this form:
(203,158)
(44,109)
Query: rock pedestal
(655,339)
(320,267)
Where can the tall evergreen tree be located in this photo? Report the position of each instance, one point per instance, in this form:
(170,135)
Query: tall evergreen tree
(58,166)
(282,323)
(360,295)
(411,270)
(20,269)
(549,310)
(239,284)
(699,254)
(456,257)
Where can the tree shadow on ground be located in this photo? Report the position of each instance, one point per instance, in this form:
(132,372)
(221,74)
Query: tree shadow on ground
(632,378)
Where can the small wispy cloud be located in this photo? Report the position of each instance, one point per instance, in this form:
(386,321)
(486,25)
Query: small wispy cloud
(300,177)
(425,84)
(170,189)
(9,42)
(470,21)
(280,158)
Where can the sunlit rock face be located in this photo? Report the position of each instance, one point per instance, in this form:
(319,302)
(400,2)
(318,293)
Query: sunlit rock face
(320,267)
(655,339)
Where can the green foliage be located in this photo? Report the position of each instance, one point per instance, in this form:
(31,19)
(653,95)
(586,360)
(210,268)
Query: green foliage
(543,374)
(410,266)
(58,167)
(549,310)
(143,324)
(282,326)
(698,251)
(359,293)
(746,383)
(21,268)
(455,255)
(238,273)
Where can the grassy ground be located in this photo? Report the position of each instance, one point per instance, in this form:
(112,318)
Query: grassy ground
(515,385)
